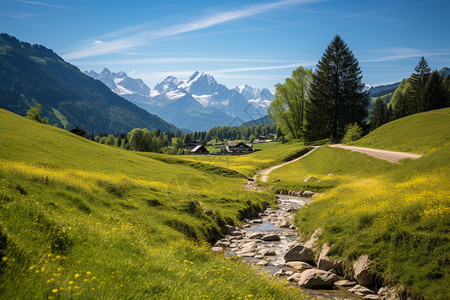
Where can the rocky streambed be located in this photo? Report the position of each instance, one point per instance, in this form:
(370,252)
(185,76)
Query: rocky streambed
(271,242)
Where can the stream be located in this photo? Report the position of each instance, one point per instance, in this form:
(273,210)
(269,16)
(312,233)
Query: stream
(264,241)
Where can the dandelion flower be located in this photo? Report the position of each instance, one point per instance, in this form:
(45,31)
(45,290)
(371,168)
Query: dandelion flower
(77,275)
(54,290)
(4,258)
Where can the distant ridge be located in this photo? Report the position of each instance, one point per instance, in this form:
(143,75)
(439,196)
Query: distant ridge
(32,74)
(266,120)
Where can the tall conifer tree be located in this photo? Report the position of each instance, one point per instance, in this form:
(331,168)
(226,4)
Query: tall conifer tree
(337,93)
(418,81)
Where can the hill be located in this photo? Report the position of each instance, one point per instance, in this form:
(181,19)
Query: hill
(398,214)
(33,74)
(81,219)
(418,133)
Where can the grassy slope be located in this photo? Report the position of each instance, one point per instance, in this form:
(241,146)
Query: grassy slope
(398,214)
(420,133)
(248,164)
(86,220)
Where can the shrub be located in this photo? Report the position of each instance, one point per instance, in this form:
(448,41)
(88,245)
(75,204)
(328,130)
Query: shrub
(353,132)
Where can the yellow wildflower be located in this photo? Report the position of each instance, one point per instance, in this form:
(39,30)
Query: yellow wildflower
(77,275)
(54,290)
(4,258)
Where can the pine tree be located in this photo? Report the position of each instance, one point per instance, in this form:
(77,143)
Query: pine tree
(418,81)
(337,96)
(435,93)
(378,114)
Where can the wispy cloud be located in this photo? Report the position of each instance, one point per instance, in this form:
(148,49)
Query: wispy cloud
(264,68)
(15,14)
(404,53)
(139,38)
(178,60)
(43,4)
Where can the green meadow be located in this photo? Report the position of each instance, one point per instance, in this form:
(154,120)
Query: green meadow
(83,220)
(398,214)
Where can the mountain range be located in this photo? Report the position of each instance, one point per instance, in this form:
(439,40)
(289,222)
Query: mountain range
(32,74)
(198,103)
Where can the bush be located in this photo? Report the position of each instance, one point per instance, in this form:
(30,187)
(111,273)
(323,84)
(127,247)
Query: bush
(353,132)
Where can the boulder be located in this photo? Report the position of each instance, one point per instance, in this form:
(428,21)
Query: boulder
(217,249)
(236,233)
(294,277)
(313,239)
(299,253)
(271,237)
(314,278)
(299,265)
(262,263)
(361,270)
(326,264)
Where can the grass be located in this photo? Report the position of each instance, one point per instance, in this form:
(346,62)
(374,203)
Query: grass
(84,220)
(398,214)
(248,164)
(329,166)
(420,133)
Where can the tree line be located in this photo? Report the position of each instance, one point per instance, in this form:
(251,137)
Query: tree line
(423,91)
(175,143)
(332,102)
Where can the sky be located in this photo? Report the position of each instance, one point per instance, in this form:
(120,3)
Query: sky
(255,42)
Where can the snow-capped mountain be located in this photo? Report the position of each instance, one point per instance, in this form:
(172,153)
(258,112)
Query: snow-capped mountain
(198,103)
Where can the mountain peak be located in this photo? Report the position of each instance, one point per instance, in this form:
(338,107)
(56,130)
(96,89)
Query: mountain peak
(106,71)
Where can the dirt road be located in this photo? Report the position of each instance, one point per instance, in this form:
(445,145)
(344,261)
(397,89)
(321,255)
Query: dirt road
(391,156)
(264,173)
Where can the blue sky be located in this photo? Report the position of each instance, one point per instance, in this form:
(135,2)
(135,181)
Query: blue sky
(257,42)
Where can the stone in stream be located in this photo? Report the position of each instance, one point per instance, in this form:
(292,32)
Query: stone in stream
(236,233)
(299,265)
(256,235)
(267,252)
(256,221)
(362,271)
(247,254)
(314,278)
(299,253)
(222,244)
(271,238)
(279,273)
(262,263)
(307,194)
(361,289)
(345,283)
(217,249)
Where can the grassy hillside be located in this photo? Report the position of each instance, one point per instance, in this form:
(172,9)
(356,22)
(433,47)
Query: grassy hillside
(83,220)
(419,133)
(398,214)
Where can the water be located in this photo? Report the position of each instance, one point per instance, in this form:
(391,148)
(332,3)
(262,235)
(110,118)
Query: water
(288,237)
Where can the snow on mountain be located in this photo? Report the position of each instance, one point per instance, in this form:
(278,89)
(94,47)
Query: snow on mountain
(198,103)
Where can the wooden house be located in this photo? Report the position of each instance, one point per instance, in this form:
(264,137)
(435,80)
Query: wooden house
(79,131)
(199,150)
(237,148)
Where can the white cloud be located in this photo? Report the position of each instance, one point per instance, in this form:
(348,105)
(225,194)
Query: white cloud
(404,53)
(43,4)
(141,37)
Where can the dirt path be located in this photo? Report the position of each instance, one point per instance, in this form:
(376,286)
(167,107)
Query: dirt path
(391,156)
(265,173)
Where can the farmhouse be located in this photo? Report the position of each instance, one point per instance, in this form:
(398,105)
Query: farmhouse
(79,131)
(233,147)
(199,150)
